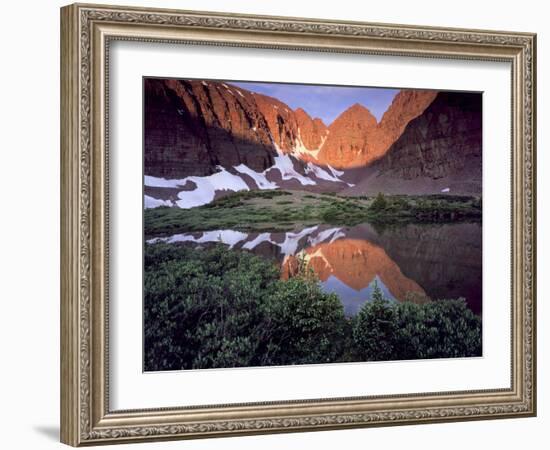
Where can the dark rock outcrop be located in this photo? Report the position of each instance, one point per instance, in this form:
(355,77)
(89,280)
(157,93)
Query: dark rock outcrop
(406,106)
(193,126)
(438,142)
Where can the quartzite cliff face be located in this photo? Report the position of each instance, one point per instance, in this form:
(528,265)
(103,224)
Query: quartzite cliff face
(355,138)
(438,151)
(349,138)
(191,127)
(425,142)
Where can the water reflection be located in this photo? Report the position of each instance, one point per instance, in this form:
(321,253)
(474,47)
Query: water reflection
(411,262)
(349,267)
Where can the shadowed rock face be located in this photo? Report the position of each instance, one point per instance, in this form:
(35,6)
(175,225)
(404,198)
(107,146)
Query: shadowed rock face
(440,141)
(406,106)
(440,150)
(193,126)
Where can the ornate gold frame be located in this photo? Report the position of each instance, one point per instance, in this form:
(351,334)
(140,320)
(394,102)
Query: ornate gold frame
(86,31)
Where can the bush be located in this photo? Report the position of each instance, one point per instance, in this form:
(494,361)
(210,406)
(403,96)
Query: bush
(304,325)
(375,330)
(380,203)
(331,214)
(214,307)
(397,331)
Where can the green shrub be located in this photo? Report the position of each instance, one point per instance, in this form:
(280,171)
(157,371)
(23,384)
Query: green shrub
(398,331)
(331,214)
(215,307)
(304,324)
(380,203)
(375,329)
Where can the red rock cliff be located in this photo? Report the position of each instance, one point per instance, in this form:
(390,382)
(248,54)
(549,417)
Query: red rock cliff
(355,138)
(192,126)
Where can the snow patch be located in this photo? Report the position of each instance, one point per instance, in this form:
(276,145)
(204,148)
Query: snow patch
(446,190)
(322,174)
(240,93)
(150,202)
(260,179)
(285,166)
(336,173)
(207,187)
(204,83)
(300,148)
(162,182)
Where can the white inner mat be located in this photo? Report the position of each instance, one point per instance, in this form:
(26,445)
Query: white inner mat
(130,388)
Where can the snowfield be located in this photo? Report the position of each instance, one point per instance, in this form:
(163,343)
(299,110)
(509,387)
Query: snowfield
(259,178)
(322,174)
(161,182)
(207,186)
(150,202)
(204,193)
(285,166)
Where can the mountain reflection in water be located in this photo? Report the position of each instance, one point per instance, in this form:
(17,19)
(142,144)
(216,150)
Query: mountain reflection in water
(409,262)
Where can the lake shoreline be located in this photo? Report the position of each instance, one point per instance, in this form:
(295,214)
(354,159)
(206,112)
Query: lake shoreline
(278,210)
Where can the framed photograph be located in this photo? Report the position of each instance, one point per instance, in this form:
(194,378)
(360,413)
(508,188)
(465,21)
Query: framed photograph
(278,224)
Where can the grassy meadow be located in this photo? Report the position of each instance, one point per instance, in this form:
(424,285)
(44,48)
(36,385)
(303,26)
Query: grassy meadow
(278,210)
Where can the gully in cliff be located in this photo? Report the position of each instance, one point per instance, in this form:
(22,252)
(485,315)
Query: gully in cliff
(304,224)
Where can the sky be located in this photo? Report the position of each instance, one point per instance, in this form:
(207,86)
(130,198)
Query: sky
(326,102)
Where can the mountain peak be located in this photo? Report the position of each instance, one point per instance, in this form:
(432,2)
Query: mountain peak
(357,111)
(311,131)
(302,112)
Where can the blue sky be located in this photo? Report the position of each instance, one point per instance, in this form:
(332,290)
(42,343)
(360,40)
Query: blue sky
(326,102)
